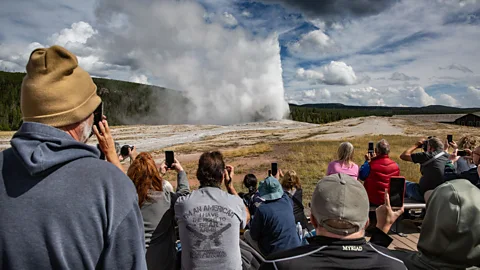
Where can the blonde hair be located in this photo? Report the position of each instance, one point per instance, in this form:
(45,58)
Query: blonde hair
(345,153)
(291,180)
(469,142)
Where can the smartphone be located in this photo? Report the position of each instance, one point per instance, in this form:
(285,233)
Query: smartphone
(274,169)
(169,158)
(370,148)
(462,153)
(449,138)
(397,191)
(98,116)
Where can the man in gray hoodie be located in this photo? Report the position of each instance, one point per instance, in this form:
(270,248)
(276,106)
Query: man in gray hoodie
(61,207)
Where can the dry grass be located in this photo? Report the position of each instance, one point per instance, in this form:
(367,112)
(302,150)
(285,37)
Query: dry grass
(248,151)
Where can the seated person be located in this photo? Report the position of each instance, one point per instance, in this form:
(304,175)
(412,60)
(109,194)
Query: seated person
(472,174)
(291,185)
(464,164)
(273,225)
(251,199)
(209,219)
(339,214)
(432,167)
(377,171)
(344,164)
(156,205)
(450,237)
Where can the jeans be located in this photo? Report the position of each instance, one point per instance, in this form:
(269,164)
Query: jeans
(412,191)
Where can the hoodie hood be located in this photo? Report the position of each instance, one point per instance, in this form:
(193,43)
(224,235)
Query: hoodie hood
(451,228)
(42,148)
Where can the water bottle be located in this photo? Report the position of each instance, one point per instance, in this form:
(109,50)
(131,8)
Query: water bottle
(300,231)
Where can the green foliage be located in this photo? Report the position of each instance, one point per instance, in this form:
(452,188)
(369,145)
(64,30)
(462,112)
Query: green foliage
(325,113)
(124,102)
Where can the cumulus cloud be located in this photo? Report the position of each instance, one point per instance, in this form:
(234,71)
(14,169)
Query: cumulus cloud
(246,13)
(317,94)
(475,92)
(398,76)
(229,75)
(337,8)
(333,73)
(79,32)
(461,68)
(312,44)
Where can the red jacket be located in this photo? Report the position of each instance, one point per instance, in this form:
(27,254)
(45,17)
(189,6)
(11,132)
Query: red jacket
(381,169)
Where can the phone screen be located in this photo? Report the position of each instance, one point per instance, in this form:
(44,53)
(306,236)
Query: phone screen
(370,147)
(461,153)
(274,169)
(450,138)
(98,115)
(169,158)
(397,191)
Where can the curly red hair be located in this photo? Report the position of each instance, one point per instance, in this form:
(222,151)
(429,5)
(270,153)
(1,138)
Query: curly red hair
(145,177)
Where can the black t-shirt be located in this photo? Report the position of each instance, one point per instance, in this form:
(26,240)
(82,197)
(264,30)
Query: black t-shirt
(432,173)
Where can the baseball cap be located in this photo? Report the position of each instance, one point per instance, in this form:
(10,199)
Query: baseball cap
(270,189)
(340,197)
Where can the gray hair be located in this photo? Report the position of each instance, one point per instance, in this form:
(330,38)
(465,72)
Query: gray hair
(436,144)
(383,147)
(345,152)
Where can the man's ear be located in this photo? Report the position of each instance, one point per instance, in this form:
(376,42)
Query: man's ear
(366,224)
(313,221)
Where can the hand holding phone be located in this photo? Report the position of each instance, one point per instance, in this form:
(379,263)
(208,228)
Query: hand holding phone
(274,169)
(98,116)
(449,138)
(169,159)
(462,153)
(370,149)
(397,191)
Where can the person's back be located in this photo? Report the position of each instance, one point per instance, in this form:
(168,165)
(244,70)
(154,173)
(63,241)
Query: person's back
(344,164)
(273,226)
(157,209)
(209,219)
(382,168)
(339,214)
(450,236)
(61,207)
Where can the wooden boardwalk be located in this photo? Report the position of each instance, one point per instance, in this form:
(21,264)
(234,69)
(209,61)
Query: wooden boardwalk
(409,240)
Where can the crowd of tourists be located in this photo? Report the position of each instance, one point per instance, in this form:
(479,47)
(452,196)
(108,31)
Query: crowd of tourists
(62,207)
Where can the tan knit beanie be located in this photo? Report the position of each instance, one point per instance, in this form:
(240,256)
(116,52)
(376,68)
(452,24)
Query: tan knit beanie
(56,91)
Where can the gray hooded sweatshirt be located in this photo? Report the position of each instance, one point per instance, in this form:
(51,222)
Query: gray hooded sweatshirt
(63,208)
(450,237)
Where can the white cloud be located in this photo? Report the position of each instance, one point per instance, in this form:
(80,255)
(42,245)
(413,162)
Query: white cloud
(446,99)
(229,20)
(475,92)
(333,73)
(79,32)
(246,13)
(139,79)
(317,94)
(312,44)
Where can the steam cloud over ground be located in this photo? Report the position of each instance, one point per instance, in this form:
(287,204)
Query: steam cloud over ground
(229,75)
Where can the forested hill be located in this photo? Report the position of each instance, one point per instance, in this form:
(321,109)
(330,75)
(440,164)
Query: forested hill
(124,102)
(329,112)
(133,103)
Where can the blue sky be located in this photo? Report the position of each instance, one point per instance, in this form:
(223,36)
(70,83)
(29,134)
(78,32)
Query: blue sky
(396,53)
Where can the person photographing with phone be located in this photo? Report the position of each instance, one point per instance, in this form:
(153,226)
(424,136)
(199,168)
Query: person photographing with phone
(210,219)
(377,171)
(157,207)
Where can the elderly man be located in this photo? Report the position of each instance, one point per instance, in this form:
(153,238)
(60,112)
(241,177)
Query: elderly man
(339,214)
(61,207)
(432,166)
(377,171)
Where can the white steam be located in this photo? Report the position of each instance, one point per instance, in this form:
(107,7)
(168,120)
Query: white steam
(229,75)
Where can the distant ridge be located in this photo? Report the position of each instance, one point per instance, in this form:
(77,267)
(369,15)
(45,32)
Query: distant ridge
(429,108)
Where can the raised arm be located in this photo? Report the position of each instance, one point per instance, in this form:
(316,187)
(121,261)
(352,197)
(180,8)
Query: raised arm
(407,154)
(228,180)
(183,187)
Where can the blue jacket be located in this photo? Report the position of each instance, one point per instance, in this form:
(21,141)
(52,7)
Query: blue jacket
(63,208)
(273,226)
